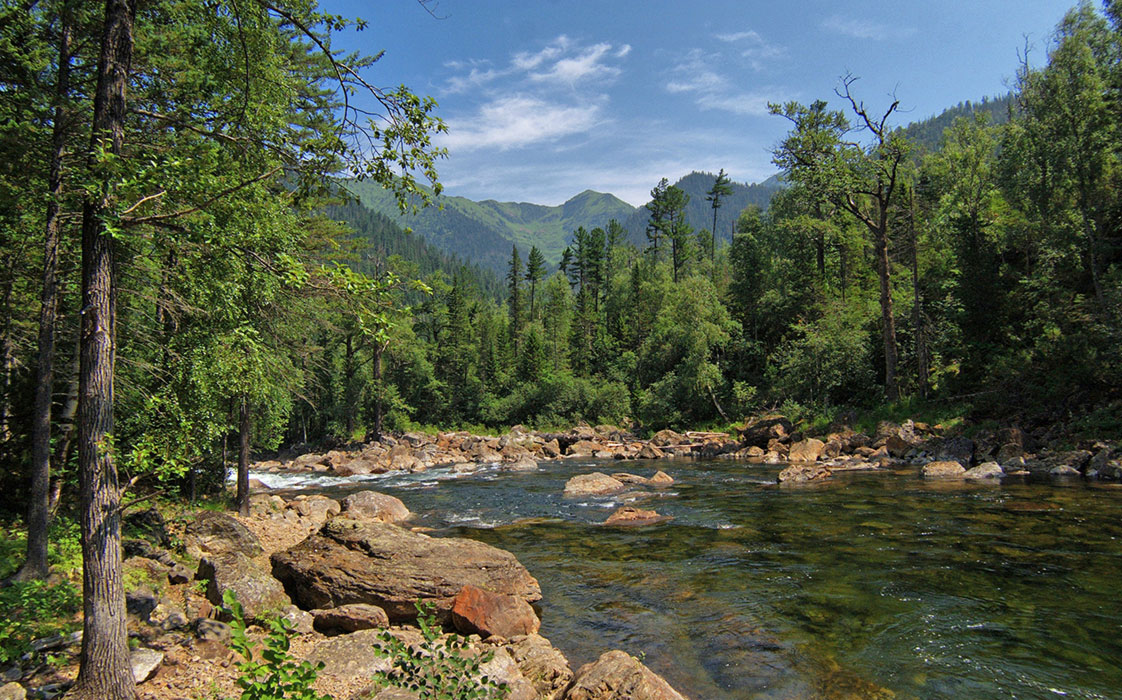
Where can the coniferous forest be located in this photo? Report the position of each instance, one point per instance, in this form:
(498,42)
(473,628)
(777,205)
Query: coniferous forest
(187,280)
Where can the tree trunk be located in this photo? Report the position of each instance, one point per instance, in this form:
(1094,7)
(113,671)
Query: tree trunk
(888,320)
(243,458)
(917,310)
(349,394)
(105,672)
(66,419)
(379,409)
(38,507)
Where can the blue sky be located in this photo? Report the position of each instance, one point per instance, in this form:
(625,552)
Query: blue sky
(547,98)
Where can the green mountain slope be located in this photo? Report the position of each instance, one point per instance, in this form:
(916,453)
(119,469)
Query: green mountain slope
(483,232)
(699,213)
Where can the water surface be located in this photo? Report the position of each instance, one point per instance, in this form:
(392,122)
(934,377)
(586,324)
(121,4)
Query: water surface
(868,584)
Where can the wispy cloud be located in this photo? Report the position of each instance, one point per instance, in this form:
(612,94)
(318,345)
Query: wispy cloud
(756,49)
(563,60)
(517,121)
(694,74)
(864,28)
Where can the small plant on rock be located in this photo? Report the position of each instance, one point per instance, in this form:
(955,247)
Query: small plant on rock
(277,676)
(439,668)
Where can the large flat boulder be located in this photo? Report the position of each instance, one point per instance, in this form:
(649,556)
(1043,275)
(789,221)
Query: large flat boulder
(947,469)
(617,675)
(807,450)
(213,532)
(367,561)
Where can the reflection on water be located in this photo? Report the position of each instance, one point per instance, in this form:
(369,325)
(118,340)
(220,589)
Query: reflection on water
(861,587)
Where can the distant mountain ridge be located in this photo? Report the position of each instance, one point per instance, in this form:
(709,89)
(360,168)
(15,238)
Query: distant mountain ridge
(483,232)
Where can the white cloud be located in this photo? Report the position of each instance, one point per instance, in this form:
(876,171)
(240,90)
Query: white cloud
(518,121)
(563,60)
(758,50)
(864,28)
(734,37)
(587,63)
(711,90)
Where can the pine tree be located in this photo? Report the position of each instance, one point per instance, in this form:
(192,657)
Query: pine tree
(535,272)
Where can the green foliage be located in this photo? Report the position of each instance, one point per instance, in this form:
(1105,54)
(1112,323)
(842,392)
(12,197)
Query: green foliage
(440,667)
(276,676)
(31,610)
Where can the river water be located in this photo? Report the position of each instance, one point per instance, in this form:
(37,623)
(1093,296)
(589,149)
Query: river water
(871,585)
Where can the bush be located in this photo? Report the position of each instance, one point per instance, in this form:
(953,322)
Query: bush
(276,676)
(31,610)
(438,669)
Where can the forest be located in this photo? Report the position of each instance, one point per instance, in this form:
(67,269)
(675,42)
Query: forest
(186,280)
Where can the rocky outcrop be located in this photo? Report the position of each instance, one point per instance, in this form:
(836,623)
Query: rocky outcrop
(617,675)
(594,484)
(365,561)
(375,506)
(476,611)
(212,532)
(761,431)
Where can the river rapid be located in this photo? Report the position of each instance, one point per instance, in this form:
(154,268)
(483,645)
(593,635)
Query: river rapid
(869,585)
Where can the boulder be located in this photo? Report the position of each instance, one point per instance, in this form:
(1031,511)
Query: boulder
(523,464)
(212,532)
(208,630)
(1065,470)
(367,561)
(583,448)
(12,691)
(354,655)
(1008,453)
(375,506)
(667,438)
(260,594)
(897,446)
(543,664)
(989,470)
(316,508)
(145,663)
(350,618)
(958,449)
(594,484)
(761,431)
(806,450)
(660,478)
(551,449)
(626,478)
(478,611)
(649,451)
(617,675)
(801,473)
(946,469)
(629,515)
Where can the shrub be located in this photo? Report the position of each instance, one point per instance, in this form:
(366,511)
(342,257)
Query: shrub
(438,669)
(33,609)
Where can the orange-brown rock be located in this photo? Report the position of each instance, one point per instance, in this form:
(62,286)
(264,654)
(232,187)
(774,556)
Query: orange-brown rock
(478,611)
(629,515)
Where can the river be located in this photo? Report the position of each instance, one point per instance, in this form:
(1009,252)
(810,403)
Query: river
(867,583)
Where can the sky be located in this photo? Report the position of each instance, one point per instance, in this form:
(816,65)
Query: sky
(547,98)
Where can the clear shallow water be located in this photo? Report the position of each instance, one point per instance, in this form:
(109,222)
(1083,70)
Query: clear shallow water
(868,583)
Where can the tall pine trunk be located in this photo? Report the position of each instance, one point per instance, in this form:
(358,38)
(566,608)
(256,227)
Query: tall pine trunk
(243,457)
(105,672)
(888,319)
(38,507)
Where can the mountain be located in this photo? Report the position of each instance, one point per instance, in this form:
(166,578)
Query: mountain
(928,133)
(699,213)
(483,232)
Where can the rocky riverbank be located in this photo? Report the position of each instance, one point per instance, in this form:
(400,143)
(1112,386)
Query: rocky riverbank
(766,440)
(341,573)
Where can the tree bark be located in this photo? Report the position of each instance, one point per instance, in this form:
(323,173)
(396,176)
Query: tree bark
(243,457)
(379,349)
(38,507)
(888,320)
(105,672)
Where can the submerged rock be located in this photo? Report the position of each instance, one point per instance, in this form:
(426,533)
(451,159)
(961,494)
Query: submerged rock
(629,515)
(367,561)
(943,470)
(594,484)
(800,473)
